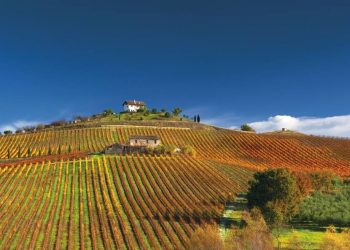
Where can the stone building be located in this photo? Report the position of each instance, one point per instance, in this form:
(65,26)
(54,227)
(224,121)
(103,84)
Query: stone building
(136,144)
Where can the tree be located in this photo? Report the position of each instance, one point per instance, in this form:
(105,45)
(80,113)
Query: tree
(323,181)
(167,115)
(276,193)
(304,183)
(195,118)
(8,132)
(19,152)
(49,151)
(69,148)
(108,112)
(177,111)
(198,119)
(8,153)
(246,127)
(154,111)
(28,152)
(59,150)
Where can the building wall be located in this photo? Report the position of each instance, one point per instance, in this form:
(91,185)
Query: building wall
(119,149)
(114,149)
(131,108)
(144,142)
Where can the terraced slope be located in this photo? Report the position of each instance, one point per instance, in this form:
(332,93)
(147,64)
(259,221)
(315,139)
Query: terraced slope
(304,153)
(124,202)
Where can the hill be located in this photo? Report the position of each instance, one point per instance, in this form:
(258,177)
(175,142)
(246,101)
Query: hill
(256,151)
(57,192)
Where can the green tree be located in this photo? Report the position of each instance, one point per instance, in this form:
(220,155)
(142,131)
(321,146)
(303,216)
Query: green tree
(276,193)
(29,153)
(323,181)
(177,111)
(49,151)
(108,112)
(19,152)
(246,127)
(59,150)
(8,153)
(167,115)
(69,148)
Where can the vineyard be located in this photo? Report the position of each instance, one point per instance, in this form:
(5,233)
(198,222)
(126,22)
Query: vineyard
(304,153)
(124,202)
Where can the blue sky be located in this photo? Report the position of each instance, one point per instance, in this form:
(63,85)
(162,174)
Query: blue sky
(230,61)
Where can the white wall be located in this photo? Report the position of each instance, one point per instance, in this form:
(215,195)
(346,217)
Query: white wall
(131,108)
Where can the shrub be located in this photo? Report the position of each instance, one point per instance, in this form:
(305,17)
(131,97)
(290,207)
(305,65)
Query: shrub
(254,235)
(167,115)
(58,123)
(334,240)
(160,149)
(108,112)
(188,150)
(40,127)
(29,129)
(246,127)
(206,238)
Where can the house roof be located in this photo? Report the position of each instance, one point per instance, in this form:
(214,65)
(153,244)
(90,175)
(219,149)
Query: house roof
(134,102)
(144,137)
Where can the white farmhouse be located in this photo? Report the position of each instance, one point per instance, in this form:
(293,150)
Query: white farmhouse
(133,106)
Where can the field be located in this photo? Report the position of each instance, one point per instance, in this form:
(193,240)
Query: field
(137,201)
(304,153)
(126,202)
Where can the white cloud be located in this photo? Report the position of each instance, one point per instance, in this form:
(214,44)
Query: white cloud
(330,126)
(18,124)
